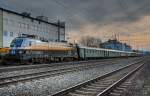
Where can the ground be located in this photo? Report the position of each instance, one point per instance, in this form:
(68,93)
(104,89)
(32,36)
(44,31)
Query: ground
(141,83)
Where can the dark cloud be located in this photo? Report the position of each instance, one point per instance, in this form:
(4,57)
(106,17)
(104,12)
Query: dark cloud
(82,13)
(79,12)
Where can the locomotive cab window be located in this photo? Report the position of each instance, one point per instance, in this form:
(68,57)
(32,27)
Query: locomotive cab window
(16,42)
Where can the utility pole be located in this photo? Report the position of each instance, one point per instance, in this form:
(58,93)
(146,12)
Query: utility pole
(64,31)
(61,25)
(58,31)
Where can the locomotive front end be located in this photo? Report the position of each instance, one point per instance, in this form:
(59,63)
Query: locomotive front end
(15,52)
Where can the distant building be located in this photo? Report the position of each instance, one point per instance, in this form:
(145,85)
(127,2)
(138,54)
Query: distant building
(116,45)
(13,24)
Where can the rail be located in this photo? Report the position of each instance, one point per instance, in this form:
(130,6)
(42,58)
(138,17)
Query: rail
(78,86)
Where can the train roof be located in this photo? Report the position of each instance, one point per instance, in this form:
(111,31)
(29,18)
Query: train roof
(41,45)
(104,49)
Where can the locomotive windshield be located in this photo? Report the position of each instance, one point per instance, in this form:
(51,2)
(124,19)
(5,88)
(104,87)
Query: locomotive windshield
(16,42)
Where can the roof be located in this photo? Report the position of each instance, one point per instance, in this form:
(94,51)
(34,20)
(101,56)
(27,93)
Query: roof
(104,49)
(30,17)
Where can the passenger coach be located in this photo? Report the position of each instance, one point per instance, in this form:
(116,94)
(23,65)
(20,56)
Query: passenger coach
(96,53)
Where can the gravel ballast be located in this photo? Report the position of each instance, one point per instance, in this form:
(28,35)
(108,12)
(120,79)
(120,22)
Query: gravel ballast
(48,86)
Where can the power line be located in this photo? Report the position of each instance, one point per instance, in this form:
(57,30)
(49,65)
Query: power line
(67,9)
(4,5)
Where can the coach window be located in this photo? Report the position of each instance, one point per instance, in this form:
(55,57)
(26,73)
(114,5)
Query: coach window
(86,51)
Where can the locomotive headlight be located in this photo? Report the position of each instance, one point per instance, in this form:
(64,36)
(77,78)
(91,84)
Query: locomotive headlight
(20,52)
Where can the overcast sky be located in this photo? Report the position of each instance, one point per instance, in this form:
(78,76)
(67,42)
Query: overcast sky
(129,19)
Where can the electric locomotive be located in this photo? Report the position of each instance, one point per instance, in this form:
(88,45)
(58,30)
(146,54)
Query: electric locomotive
(29,50)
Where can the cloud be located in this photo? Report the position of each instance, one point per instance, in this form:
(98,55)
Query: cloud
(95,11)
(135,33)
(98,18)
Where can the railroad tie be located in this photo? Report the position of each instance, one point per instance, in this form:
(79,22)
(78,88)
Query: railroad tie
(89,89)
(118,91)
(121,89)
(84,93)
(114,94)
(102,85)
(109,82)
(74,94)
(96,87)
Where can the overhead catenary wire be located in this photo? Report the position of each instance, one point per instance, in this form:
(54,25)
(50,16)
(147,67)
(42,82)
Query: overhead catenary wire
(68,10)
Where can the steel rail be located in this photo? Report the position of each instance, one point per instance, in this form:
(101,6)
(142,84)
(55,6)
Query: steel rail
(107,91)
(22,67)
(25,77)
(78,86)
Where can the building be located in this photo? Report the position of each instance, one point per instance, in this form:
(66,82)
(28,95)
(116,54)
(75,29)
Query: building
(116,45)
(13,24)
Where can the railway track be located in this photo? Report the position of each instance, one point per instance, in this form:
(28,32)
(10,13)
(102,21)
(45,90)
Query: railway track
(22,67)
(34,66)
(54,71)
(103,85)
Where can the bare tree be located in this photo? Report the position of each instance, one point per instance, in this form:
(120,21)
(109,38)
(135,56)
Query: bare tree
(90,41)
